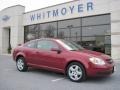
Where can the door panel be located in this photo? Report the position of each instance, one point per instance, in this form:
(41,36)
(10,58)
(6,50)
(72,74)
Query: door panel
(30,52)
(48,58)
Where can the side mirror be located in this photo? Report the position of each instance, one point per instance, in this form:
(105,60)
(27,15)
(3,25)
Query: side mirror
(56,49)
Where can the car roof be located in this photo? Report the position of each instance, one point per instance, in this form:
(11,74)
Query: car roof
(54,39)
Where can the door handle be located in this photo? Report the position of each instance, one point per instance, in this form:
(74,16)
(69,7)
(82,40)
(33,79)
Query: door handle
(37,52)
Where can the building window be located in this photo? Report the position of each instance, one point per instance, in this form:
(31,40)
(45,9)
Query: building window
(96,32)
(96,20)
(73,34)
(66,23)
(40,30)
(70,30)
(49,30)
(93,32)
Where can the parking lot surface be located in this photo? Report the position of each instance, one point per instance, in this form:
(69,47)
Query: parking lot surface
(34,79)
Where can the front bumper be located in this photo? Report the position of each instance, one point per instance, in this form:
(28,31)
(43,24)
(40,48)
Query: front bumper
(105,70)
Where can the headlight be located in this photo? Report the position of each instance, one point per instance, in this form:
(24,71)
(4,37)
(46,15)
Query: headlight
(97,61)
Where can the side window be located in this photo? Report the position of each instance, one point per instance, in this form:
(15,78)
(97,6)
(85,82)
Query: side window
(31,44)
(46,45)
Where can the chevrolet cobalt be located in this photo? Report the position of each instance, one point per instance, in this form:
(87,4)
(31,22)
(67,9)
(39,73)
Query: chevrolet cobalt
(62,56)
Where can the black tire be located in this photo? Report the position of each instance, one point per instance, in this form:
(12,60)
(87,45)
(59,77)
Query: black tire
(81,69)
(24,66)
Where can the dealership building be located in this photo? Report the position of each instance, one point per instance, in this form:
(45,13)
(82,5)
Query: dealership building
(94,24)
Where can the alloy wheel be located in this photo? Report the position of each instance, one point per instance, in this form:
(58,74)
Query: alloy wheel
(75,72)
(20,64)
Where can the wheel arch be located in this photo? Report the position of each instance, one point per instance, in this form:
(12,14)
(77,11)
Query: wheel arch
(18,56)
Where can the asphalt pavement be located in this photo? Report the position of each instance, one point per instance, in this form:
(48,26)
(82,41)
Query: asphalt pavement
(34,79)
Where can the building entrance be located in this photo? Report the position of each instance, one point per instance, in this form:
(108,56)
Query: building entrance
(6,43)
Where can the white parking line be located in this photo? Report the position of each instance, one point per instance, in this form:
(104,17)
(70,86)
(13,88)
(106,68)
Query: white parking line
(55,80)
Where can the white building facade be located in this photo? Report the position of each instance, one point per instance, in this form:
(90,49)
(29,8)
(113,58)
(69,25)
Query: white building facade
(92,23)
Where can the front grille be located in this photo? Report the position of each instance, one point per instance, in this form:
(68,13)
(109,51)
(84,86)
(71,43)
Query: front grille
(110,61)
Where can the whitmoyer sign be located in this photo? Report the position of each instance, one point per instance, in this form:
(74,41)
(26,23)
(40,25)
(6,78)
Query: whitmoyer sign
(59,12)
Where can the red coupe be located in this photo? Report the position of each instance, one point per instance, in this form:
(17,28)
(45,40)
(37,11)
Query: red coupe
(64,57)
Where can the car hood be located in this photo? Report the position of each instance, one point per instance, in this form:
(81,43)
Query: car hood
(90,53)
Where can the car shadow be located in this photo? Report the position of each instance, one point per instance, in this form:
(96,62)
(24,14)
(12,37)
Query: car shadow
(100,79)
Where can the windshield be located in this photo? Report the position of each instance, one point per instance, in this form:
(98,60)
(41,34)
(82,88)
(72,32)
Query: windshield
(70,45)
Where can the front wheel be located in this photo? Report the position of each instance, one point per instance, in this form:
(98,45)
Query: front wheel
(76,72)
(21,65)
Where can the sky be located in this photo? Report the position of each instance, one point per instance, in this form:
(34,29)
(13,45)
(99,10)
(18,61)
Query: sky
(30,4)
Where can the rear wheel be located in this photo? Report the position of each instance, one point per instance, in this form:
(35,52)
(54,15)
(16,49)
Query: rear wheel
(21,64)
(76,72)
